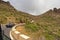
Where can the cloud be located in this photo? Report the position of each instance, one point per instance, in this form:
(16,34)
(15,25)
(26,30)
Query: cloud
(35,7)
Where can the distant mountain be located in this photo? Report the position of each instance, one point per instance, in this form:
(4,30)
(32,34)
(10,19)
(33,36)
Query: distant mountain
(49,22)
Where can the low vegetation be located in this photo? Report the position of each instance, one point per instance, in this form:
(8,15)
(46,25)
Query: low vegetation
(32,27)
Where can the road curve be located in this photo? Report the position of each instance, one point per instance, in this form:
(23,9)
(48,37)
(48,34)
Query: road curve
(16,32)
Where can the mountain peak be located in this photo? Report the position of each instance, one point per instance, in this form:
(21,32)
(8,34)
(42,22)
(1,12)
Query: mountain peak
(1,1)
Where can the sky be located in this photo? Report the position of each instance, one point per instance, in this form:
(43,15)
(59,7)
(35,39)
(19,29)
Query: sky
(34,7)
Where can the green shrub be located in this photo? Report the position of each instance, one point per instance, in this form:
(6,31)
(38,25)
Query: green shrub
(32,27)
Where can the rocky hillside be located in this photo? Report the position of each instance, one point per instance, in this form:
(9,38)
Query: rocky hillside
(50,24)
(8,11)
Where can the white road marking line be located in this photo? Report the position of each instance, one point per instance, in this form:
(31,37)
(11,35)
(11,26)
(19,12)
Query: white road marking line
(24,36)
(11,36)
(17,32)
(13,29)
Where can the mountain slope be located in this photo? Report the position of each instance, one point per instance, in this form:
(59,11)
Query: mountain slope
(6,10)
(50,24)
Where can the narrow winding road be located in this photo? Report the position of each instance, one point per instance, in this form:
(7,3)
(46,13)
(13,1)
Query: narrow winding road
(14,36)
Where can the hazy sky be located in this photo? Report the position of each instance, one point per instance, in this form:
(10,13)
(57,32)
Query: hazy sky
(34,7)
